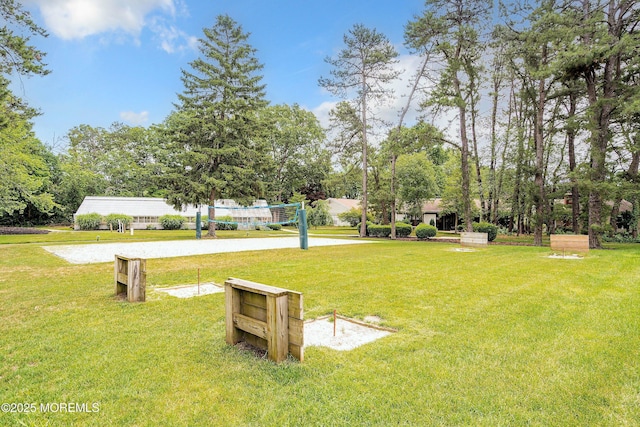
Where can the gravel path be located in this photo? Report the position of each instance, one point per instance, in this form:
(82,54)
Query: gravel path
(106,252)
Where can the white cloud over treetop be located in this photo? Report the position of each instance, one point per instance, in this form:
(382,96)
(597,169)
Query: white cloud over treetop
(135,119)
(77,19)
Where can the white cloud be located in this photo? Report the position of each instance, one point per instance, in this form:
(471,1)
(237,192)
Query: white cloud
(77,19)
(135,119)
(388,110)
(170,38)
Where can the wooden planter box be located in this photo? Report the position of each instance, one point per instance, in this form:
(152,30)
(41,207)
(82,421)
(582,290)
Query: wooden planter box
(474,239)
(131,278)
(266,317)
(569,242)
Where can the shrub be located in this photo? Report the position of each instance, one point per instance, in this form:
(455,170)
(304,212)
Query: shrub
(432,222)
(90,221)
(353,216)
(376,230)
(112,220)
(275,227)
(226,223)
(425,231)
(403,229)
(171,222)
(485,227)
(369,224)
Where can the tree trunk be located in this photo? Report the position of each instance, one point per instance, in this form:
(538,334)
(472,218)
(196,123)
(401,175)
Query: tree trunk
(212,214)
(539,198)
(571,138)
(363,224)
(393,196)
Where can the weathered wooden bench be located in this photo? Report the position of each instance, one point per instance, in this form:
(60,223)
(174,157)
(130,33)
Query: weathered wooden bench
(570,242)
(474,239)
(266,317)
(130,276)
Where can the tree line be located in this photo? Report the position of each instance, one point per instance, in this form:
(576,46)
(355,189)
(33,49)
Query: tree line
(542,105)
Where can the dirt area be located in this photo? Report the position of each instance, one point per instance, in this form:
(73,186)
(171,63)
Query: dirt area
(105,252)
(188,291)
(21,230)
(349,333)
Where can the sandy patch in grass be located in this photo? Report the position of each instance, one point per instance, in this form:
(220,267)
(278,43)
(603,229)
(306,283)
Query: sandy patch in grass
(567,256)
(463,250)
(350,333)
(188,291)
(106,252)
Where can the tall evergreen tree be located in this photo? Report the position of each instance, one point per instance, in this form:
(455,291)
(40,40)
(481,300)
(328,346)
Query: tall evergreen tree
(362,67)
(451,30)
(215,128)
(25,163)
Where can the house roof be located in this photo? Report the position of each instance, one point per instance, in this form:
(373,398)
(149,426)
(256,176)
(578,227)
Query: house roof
(346,203)
(157,207)
(134,206)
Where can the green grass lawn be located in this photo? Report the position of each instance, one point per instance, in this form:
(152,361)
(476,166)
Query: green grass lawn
(500,336)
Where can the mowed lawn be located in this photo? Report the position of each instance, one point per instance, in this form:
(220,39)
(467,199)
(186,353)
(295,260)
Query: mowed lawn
(500,336)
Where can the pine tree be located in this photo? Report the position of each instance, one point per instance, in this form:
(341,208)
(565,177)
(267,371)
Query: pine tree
(216,126)
(363,67)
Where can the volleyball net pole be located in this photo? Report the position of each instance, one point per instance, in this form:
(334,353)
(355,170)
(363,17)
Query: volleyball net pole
(302,228)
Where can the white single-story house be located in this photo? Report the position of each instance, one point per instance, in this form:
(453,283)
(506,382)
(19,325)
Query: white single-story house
(338,206)
(146,211)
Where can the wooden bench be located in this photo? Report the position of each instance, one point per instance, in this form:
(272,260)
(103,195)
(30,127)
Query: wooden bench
(570,242)
(266,317)
(130,276)
(474,239)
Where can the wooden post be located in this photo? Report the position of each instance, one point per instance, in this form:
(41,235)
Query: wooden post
(474,239)
(266,317)
(569,242)
(130,276)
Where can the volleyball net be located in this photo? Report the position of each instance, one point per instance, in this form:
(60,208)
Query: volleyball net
(249,217)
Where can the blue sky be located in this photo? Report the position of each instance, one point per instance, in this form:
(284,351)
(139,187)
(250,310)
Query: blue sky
(120,60)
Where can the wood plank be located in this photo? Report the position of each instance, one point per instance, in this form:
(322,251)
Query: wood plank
(255,287)
(255,341)
(574,242)
(277,327)
(232,307)
(296,351)
(295,305)
(253,311)
(250,298)
(296,331)
(474,239)
(252,326)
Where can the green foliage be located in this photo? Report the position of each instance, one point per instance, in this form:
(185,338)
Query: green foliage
(90,221)
(403,229)
(485,227)
(18,56)
(353,216)
(417,182)
(225,223)
(217,149)
(294,137)
(25,163)
(171,222)
(319,215)
(425,231)
(275,227)
(377,230)
(112,220)
(368,223)
(432,222)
